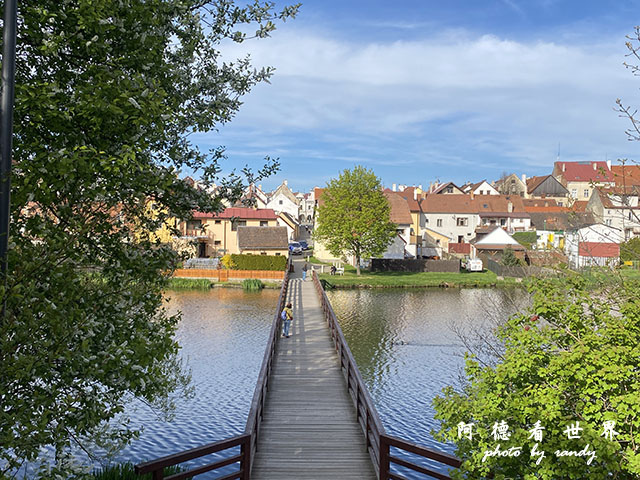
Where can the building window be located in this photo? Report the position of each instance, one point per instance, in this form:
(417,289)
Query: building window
(218,222)
(277,254)
(264,223)
(449,189)
(439,222)
(586,193)
(574,193)
(630,216)
(217,243)
(462,222)
(503,221)
(280,202)
(263,253)
(238,223)
(607,222)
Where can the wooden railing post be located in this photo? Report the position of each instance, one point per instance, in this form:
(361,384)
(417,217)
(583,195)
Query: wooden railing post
(158,474)
(384,457)
(245,464)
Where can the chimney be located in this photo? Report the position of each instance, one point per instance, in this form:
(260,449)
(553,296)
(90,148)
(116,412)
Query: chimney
(393,187)
(595,165)
(415,194)
(420,186)
(564,167)
(509,207)
(471,195)
(260,187)
(609,164)
(285,182)
(524,178)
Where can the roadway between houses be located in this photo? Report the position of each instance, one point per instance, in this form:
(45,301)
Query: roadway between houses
(309,428)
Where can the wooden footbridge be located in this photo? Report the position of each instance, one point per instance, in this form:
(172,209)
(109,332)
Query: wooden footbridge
(311,416)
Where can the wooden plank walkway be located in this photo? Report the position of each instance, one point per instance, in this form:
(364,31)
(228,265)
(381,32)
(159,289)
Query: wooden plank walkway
(309,429)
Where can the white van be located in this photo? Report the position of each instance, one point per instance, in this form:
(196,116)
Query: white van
(474,265)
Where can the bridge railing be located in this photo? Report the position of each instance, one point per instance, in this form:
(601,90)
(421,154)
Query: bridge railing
(377,442)
(260,393)
(248,441)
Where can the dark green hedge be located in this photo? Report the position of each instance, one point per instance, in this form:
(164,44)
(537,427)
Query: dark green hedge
(259,262)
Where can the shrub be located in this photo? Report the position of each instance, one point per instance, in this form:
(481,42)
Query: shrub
(526,239)
(509,258)
(227,262)
(258,262)
(252,284)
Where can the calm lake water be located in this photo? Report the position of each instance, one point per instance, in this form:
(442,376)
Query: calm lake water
(407,348)
(403,341)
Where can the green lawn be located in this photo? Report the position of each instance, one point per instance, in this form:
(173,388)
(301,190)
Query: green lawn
(422,279)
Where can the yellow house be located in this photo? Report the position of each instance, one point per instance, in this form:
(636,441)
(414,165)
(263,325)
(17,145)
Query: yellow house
(217,233)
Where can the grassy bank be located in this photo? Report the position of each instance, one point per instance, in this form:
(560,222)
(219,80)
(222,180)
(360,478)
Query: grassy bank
(415,280)
(206,284)
(190,284)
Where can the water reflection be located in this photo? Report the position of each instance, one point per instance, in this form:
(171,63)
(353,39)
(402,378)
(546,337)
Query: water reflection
(405,344)
(223,334)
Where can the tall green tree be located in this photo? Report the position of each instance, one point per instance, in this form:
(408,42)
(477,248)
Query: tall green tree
(354,218)
(107,95)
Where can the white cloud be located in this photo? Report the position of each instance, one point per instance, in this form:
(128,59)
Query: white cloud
(453,95)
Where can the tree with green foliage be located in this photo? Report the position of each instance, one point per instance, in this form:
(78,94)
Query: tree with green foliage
(630,250)
(572,359)
(107,94)
(354,216)
(509,258)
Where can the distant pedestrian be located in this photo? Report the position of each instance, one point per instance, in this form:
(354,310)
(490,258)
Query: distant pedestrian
(333,270)
(304,272)
(287,317)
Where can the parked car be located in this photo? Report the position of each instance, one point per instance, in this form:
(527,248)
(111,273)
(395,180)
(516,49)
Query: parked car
(304,245)
(295,248)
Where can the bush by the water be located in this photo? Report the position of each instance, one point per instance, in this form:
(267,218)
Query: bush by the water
(258,262)
(252,284)
(125,471)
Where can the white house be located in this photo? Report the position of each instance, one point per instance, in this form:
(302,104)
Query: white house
(282,199)
(480,188)
(593,245)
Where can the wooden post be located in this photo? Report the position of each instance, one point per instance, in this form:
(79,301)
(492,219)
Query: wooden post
(245,464)
(158,474)
(384,457)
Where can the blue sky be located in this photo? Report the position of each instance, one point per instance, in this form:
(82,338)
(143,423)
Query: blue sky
(420,91)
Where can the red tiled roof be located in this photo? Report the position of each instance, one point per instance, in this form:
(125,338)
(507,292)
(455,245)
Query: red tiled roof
(480,204)
(579,206)
(539,202)
(599,249)
(584,171)
(549,209)
(626,174)
(400,214)
(240,213)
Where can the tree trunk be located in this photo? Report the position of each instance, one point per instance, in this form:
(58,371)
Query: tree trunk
(357,264)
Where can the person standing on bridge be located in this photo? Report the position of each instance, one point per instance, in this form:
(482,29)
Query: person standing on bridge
(304,272)
(287,317)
